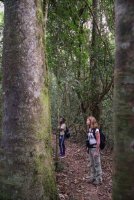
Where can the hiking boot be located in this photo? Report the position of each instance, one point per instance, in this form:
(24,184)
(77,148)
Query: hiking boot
(97,182)
(62,156)
(90,179)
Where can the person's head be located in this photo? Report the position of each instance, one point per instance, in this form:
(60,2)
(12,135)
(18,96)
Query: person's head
(62,120)
(91,122)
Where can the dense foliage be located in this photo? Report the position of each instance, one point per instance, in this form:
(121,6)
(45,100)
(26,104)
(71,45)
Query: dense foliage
(80,53)
(80,49)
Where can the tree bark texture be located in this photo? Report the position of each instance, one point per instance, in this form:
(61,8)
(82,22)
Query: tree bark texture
(123,182)
(95,104)
(26,167)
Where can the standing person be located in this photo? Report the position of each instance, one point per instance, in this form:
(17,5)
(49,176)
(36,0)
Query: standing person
(62,128)
(94,151)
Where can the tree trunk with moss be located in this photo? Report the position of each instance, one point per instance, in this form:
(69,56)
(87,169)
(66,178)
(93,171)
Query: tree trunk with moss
(26,167)
(123,182)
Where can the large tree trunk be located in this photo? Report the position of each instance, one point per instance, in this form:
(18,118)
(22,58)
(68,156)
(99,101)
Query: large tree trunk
(123,183)
(26,168)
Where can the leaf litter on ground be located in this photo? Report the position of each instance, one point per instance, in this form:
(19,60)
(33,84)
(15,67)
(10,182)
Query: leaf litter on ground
(71,180)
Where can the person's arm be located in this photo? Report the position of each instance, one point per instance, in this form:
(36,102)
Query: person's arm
(62,127)
(97,140)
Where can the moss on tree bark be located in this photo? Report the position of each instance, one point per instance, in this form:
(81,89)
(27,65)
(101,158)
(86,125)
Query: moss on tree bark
(26,166)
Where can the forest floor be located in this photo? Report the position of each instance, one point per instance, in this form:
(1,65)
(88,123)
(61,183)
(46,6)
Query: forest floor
(71,178)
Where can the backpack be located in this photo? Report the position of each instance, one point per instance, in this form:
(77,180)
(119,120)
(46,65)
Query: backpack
(67,133)
(102,138)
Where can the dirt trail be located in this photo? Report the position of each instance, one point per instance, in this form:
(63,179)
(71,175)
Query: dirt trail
(72,182)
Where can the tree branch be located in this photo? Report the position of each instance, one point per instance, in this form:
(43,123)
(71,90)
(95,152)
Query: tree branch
(99,32)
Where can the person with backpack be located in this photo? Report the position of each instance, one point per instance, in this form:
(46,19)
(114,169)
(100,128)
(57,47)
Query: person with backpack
(94,151)
(62,129)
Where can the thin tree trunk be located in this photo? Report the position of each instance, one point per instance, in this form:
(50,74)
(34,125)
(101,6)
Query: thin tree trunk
(123,182)
(45,12)
(95,105)
(57,130)
(26,167)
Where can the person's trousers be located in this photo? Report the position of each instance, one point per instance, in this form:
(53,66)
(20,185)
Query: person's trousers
(62,145)
(95,165)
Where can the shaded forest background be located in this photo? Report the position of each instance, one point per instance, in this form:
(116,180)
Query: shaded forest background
(80,52)
(80,57)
